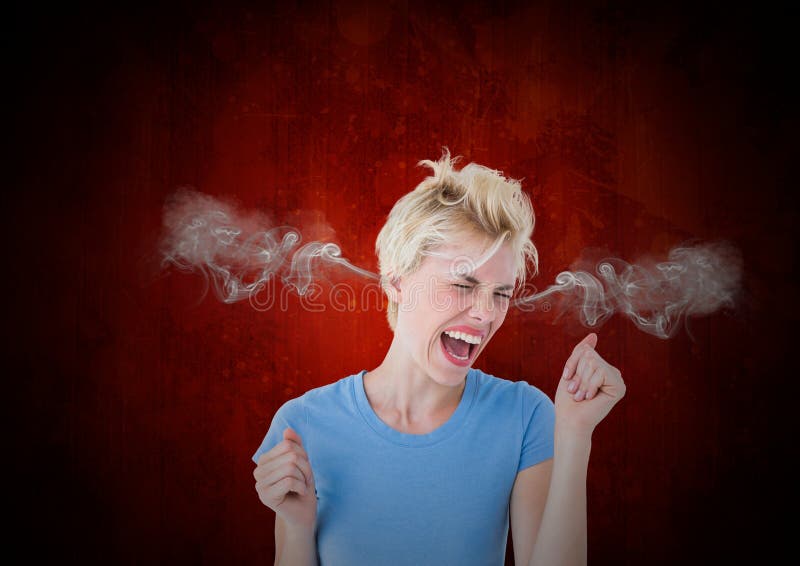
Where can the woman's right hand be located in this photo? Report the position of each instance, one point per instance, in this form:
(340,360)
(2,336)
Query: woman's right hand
(285,482)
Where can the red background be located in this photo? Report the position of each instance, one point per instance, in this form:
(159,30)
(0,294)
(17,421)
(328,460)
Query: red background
(135,409)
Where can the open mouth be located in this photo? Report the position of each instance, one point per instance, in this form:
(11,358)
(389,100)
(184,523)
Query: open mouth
(459,347)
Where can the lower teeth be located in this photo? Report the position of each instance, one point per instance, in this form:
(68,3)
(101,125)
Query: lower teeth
(456,356)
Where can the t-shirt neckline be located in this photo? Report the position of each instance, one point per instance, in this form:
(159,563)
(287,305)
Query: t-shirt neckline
(453,424)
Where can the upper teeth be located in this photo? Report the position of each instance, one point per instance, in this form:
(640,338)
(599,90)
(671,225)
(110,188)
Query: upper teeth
(469,338)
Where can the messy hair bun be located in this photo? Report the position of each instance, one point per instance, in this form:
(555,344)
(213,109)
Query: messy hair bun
(449,202)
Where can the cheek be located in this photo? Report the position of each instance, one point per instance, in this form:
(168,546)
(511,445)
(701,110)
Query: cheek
(442,301)
(502,311)
(455,302)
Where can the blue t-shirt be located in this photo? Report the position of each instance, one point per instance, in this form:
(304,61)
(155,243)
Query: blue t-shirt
(390,498)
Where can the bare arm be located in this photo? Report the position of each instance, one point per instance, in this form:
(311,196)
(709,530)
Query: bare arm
(548,506)
(528,498)
(562,536)
(294,547)
(586,392)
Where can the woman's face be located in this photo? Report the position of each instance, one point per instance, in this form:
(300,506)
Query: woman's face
(460,292)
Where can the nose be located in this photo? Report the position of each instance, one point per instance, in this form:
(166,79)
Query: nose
(483,308)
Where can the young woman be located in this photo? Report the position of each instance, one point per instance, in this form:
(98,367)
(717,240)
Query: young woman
(423,459)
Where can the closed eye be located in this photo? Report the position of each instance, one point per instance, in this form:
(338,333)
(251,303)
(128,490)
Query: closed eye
(470,287)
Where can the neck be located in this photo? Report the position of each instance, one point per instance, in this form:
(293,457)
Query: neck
(399,390)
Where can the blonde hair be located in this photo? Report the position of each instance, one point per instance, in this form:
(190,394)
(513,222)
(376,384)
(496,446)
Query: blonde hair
(450,202)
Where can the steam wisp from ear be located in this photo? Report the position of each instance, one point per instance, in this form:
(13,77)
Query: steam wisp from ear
(694,280)
(237,253)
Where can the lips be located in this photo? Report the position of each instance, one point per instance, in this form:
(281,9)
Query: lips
(473,350)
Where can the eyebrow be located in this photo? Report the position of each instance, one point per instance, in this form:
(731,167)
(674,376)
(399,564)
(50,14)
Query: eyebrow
(476,282)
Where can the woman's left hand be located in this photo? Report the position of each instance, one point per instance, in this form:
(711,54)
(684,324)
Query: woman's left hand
(588,389)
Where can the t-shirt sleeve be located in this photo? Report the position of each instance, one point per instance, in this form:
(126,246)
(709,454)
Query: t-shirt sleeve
(290,414)
(538,439)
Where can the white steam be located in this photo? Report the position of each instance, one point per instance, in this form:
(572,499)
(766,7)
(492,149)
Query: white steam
(694,281)
(238,253)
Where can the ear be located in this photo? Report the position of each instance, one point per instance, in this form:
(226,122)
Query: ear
(391,285)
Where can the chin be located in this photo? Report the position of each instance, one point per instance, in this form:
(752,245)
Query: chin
(448,374)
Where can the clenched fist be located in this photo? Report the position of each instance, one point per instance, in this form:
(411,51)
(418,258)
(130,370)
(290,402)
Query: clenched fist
(285,482)
(588,388)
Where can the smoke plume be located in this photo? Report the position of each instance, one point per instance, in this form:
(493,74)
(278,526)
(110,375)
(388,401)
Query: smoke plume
(694,280)
(238,253)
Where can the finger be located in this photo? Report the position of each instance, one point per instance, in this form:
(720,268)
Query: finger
(286,445)
(575,382)
(305,467)
(278,474)
(291,443)
(573,385)
(276,483)
(572,363)
(279,463)
(291,434)
(580,349)
(583,372)
(274,495)
(297,446)
(302,463)
(586,367)
(595,383)
(297,486)
(277,491)
(310,476)
(291,484)
(299,461)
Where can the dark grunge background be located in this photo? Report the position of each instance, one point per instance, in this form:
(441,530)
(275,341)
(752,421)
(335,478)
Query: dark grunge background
(134,409)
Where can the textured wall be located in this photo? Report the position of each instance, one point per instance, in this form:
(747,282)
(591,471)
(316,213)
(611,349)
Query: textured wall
(136,409)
